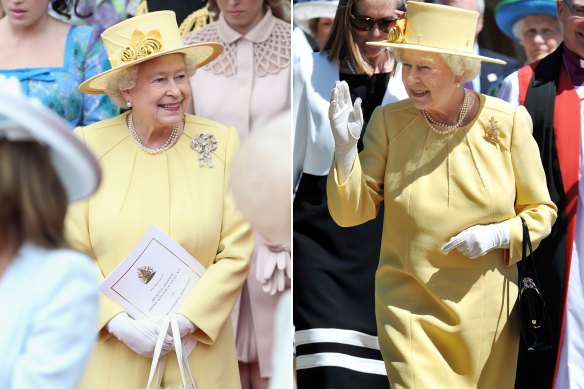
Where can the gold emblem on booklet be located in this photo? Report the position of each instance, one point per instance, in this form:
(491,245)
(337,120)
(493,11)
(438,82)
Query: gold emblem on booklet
(145,274)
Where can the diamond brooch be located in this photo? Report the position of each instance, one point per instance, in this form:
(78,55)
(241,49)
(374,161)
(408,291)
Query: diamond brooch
(204,144)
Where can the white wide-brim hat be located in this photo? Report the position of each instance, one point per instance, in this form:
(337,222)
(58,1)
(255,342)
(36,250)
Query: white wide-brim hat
(436,28)
(24,119)
(312,9)
(146,37)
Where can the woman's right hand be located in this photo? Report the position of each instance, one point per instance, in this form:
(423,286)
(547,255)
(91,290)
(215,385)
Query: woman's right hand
(139,335)
(346,121)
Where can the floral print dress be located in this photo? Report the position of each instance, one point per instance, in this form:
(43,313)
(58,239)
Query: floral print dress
(57,87)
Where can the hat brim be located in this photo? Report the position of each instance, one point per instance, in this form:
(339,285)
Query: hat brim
(507,13)
(200,53)
(430,49)
(76,166)
(307,10)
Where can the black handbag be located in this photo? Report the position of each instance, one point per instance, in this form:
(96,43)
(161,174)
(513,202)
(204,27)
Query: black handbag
(536,330)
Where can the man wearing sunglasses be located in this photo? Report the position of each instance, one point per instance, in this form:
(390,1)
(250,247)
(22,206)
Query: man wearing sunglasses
(491,74)
(552,90)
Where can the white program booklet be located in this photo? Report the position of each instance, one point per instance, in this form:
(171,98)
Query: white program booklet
(155,277)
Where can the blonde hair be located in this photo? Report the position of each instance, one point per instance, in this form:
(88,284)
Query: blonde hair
(125,79)
(34,201)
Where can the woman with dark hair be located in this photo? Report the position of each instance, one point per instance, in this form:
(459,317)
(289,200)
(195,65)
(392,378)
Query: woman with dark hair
(52,58)
(334,267)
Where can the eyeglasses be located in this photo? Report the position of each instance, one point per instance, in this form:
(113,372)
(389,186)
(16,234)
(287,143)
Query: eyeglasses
(365,23)
(575,10)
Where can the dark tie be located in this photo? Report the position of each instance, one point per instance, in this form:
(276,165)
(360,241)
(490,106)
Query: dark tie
(468,85)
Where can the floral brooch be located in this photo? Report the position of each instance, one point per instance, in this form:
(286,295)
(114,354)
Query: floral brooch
(204,144)
(492,130)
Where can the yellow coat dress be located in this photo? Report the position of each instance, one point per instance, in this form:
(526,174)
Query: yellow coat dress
(192,205)
(444,320)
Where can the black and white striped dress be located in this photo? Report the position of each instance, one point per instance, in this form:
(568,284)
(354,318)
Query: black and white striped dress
(334,280)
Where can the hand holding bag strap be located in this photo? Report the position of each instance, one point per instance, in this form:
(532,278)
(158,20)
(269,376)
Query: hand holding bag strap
(157,360)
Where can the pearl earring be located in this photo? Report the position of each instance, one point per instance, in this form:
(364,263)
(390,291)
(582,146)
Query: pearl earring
(129,104)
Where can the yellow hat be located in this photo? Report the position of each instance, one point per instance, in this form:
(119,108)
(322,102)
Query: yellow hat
(438,29)
(145,37)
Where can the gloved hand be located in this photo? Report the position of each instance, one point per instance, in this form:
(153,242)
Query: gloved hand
(478,240)
(139,335)
(346,122)
(273,269)
(185,326)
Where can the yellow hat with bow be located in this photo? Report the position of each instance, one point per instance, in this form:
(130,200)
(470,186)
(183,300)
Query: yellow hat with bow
(436,28)
(146,37)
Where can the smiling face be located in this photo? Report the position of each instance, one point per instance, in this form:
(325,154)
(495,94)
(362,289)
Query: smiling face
(24,13)
(376,9)
(429,82)
(540,35)
(242,15)
(572,18)
(162,93)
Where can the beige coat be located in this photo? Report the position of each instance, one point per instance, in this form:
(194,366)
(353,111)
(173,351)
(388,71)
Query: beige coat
(191,204)
(444,320)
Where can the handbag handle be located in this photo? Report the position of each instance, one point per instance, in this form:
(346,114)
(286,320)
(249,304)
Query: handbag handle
(528,267)
(159,362)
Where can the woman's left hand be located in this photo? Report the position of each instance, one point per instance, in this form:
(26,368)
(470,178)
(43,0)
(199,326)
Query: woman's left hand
(478,240)
(273,270)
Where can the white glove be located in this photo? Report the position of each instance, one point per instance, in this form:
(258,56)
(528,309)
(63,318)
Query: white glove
(274,267)
(478,240)
(185,326)
(346,122)
(139,335)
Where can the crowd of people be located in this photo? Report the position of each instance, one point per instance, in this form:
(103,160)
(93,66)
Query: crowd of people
(368,233)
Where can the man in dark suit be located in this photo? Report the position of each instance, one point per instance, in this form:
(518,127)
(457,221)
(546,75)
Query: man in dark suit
(491,74)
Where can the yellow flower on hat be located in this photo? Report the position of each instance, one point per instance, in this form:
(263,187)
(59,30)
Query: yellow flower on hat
(398,32)
(141,45)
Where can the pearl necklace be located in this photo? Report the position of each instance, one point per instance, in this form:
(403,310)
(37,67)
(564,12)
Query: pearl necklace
(172,138)
(466,104)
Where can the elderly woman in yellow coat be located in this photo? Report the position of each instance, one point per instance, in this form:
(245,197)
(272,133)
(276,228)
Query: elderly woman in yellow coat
(457,171)
(154,173)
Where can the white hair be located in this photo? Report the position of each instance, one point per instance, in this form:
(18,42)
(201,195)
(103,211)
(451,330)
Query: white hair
(468,68)
(125,79)
(518,26)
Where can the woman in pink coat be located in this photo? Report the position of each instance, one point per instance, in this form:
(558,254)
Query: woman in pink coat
(245,87)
